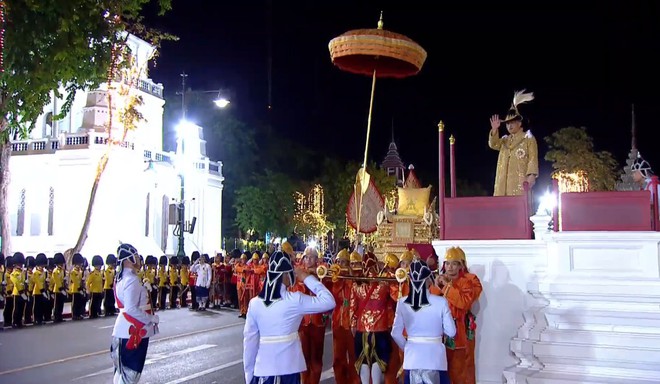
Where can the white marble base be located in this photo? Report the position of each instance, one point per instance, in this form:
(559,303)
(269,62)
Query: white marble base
(595,318)
(572,307)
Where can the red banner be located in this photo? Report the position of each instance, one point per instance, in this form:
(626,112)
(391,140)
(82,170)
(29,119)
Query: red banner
(372,203)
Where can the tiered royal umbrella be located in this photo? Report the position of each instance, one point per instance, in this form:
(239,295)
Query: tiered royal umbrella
(376,53)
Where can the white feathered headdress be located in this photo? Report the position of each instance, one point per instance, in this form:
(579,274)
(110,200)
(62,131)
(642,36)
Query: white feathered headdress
(519,97)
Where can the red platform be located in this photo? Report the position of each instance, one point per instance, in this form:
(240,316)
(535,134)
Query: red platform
(487,218)
(606,211)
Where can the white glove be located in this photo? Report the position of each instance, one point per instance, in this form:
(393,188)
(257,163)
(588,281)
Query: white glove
(155,319)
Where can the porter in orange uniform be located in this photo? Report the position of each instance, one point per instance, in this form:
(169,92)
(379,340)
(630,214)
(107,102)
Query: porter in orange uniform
(462,290)
(218,285)
(312,327)
(369,322)
(396,291)
(240,269)
(343,344)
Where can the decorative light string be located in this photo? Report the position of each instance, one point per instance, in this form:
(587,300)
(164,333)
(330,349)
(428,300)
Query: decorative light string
(2,36)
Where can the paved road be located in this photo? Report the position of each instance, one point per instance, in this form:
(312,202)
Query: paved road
(192,347)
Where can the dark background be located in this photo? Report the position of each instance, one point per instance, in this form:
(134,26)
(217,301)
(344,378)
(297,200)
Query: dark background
(586,62)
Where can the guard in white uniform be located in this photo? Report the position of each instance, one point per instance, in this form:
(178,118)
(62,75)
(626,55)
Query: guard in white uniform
(425,318)
(135,323)
(272,353)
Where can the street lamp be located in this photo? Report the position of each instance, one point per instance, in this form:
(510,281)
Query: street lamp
(221,102)
(183,129)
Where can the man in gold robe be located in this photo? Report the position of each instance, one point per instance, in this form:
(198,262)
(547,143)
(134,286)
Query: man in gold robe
(518,161)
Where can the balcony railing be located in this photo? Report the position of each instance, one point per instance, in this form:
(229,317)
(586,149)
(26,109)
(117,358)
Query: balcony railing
(146,85)
(150,87)
(90,140)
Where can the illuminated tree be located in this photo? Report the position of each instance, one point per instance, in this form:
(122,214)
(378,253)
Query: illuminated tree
(50,44)
(310,219)
(571,152)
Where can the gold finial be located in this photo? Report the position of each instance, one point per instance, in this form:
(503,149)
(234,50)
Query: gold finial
(441,126)
(380,22)
(451,140)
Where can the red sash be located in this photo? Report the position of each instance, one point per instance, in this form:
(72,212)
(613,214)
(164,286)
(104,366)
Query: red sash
(136,331)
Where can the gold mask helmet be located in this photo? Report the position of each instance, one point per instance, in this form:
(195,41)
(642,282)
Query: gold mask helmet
(343,255)
(407,257)
(391,261)
(356,261)
(288,249)
(455,254)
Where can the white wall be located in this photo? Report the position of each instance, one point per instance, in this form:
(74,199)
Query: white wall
(504,268)
(573,307)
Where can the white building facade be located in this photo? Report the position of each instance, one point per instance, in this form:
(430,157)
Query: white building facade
(52,175)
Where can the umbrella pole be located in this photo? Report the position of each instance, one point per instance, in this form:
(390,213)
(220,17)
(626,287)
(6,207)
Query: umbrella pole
(366,147)
(371,107)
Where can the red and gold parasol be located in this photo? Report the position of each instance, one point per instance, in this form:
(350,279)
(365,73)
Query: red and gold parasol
(376,53)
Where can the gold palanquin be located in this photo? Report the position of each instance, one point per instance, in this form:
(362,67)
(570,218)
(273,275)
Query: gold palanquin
(413,222)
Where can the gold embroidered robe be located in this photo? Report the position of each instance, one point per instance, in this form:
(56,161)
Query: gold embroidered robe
(518,159)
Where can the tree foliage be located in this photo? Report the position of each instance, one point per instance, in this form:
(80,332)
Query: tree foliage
(571,149)
(267,206)
(54,44)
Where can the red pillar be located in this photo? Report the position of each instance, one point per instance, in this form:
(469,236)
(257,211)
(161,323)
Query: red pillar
(452,165)
(441,182)
(555,209)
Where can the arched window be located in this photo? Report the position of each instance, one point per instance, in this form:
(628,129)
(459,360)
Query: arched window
(51,210)
(48,125)
(146,216)
(165,218)
(20,214)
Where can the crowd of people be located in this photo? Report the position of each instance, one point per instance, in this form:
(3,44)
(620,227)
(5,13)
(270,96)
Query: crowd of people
(420,330)
(34,290)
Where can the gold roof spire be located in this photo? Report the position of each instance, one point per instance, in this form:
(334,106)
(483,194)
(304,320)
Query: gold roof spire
(380,22)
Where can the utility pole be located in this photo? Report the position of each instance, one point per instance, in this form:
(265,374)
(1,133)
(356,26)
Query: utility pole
(183,96)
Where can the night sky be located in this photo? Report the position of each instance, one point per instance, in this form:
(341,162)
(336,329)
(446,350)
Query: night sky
(586,65)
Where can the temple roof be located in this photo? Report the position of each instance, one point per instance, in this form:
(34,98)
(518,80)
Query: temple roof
(412,181)
(392,159)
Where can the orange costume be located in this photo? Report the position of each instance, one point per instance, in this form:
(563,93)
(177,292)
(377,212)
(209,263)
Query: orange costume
(253,278)
(397,291)
(219,284)
(262,272)
(369,311)
(312,338)
(461,293)
(240,270)
(343,346)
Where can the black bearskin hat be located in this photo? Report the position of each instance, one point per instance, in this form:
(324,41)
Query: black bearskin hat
(78,259)
(41,260)
(111,259)
(58,259)
(97,261)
